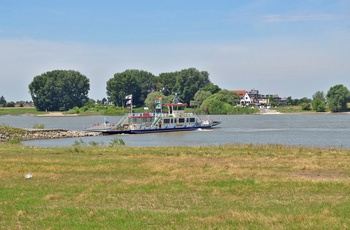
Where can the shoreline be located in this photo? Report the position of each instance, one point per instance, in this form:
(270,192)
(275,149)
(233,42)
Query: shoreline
(40,134)
(56,114)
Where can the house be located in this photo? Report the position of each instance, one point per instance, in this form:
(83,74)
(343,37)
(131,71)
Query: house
(244,97)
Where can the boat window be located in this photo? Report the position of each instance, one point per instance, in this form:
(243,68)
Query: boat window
(166,121)
(192,119)
(181,120)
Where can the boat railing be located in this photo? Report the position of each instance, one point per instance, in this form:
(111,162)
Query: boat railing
(123,120)
(155,122)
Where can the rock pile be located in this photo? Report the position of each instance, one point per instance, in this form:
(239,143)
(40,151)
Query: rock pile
(46,134)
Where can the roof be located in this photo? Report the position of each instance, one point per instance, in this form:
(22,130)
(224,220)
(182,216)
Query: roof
(241,92)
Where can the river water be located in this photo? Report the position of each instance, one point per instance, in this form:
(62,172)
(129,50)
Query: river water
(316,130)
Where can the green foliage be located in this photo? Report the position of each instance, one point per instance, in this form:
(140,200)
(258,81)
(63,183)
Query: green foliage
(211,88)
(10,104)
(38,126)
(199,97)
(219,103)
(18,111)
(318,105)
(151,98)
(188,82)
(319,95)
(2,101)
(78,143)
(239,110)
(303,101)
(140,83)
(95,143)
(337,98)
(14,141)
(116,142)
(59,90)
(114,110)
(305,106)
(136,82)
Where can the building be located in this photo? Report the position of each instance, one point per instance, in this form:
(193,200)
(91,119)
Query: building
(254,97)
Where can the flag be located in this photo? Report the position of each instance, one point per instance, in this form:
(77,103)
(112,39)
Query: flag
(128,102)
(128,97)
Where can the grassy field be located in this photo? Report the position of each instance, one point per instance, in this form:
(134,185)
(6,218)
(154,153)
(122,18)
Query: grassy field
(18,111)
(224,187)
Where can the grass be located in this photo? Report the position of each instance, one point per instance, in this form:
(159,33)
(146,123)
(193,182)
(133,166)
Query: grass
(18,111)
(224,187)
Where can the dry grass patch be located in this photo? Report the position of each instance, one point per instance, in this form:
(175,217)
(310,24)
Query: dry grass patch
(239,186)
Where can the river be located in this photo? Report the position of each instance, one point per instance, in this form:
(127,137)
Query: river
(314,130)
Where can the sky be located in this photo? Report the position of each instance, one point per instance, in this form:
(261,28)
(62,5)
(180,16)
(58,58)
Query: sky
(286,47)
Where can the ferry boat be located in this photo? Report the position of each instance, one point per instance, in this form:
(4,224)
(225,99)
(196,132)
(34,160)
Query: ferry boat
(174,120)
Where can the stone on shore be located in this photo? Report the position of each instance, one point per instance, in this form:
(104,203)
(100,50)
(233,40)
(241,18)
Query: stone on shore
(35,134)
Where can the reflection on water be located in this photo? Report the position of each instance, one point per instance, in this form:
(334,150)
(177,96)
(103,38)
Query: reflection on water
(320,130)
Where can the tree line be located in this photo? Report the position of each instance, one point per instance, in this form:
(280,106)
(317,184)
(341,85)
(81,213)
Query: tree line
(61,90)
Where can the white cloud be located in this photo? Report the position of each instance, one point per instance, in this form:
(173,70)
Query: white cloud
(304,17)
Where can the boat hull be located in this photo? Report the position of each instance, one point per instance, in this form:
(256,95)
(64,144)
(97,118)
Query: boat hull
(167,130)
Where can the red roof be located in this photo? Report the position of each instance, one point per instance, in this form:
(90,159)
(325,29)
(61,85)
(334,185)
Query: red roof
(240,92)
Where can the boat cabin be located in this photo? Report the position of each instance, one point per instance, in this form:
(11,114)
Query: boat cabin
(176,110)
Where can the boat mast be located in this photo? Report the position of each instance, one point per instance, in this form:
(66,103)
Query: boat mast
(129,101)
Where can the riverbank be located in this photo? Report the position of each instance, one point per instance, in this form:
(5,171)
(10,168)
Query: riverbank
(9,133)
(55,114)
(224,187)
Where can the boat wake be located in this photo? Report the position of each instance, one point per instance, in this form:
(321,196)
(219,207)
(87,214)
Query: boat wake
(204,130)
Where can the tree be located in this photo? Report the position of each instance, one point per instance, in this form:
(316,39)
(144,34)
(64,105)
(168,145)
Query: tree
(219,103)
(185,82)
(305,106)
(59,90)
(318,105)
(337,98)
(151,98)
(211,88)
(318,102)
(320,95)
(2,101)
(139,83)
(199,97)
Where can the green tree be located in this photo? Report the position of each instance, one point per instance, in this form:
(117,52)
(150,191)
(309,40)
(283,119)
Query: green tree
(318,105)
(228,96)
(59,90)
(2,101)
(121,85)
(219,107)
(320,95)
(139,83)
(337,98)
(185,82)
(151,98)
(211,88)
(304,100)
(305,106)
(272,101)
(199,97)
(318,102)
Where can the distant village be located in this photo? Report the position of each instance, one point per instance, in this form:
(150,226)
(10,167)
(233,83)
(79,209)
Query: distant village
(254,97)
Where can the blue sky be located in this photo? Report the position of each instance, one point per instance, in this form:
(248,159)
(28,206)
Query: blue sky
(290,47)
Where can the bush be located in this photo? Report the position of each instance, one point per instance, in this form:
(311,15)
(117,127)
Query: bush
(305,106)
